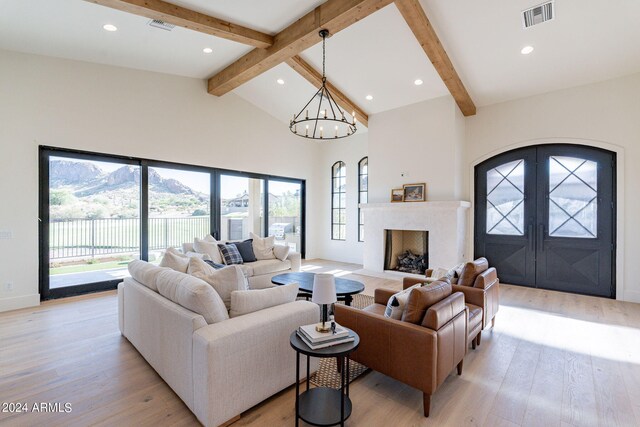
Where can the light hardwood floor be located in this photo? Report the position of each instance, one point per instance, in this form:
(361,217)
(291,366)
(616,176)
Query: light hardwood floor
(553,359)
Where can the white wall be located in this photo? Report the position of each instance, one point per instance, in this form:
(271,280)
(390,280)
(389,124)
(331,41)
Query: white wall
(606,115)
(349,150)
(423,142)
(62,103)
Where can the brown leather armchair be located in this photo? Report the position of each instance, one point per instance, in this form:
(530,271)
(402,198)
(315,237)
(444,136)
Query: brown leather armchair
(481,288)
(420,355)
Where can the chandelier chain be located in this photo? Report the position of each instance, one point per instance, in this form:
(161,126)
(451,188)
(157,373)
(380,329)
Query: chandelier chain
(324,38)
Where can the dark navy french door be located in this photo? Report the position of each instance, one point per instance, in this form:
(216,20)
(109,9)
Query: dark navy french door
(545,217)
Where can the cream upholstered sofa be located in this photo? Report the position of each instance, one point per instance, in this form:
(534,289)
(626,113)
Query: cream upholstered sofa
(219,366)
(260,272)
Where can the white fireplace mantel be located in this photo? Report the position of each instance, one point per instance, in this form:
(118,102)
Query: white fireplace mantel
(446,222)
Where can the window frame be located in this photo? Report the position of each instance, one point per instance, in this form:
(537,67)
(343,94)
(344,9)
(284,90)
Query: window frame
(341,166)
(361,163)
(43,209)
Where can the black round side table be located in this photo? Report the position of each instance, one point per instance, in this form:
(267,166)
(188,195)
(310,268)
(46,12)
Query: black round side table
(324,406)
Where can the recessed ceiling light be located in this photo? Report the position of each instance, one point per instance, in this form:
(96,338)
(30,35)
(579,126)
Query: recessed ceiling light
(207,50)
(280,81)
(110,27)
(418,82)
(369,97)
(526,50)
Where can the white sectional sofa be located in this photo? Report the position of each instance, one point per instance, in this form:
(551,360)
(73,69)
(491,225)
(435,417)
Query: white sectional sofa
(260,272)
(219,366)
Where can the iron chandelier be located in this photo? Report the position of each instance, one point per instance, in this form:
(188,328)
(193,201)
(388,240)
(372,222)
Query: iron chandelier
(329,121)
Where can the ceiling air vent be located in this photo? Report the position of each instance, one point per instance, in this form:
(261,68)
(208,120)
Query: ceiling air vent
(538,14)
(161,24)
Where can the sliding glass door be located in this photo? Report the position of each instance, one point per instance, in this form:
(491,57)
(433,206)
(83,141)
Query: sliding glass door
(241,207)
(179,208)
(99,212)
(93,221)
(285,213)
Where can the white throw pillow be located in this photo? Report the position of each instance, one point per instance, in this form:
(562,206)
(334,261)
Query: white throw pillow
(174,251)
(208,247)
(224,280)
(281,251)
(439,273)
(145,273)
(199,266)
(396,303)
(188,247)
(244,302)
(175,260)
(263,246)
(192,294)
(198,255)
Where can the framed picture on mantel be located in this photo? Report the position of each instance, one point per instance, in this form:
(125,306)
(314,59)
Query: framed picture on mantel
(414,192)
(397,195)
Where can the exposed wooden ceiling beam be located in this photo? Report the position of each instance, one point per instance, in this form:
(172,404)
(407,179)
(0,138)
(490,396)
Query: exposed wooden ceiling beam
(417,19)
(334,15)
(305,69)
(186,18)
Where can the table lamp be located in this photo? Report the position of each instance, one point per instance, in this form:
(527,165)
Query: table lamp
(324,293)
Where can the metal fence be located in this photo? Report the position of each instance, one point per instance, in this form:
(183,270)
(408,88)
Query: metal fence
(90,237)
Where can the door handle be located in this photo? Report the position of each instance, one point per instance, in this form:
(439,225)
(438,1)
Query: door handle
(541,236)
(530,236)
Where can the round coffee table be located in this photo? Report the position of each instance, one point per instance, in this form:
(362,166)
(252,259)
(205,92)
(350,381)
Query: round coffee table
(344,287)
(324,406)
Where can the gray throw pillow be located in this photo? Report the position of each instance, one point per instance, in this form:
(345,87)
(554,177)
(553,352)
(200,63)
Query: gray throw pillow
(246,250)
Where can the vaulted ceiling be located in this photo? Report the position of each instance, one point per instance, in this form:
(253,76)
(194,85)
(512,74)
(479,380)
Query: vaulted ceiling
(379,55)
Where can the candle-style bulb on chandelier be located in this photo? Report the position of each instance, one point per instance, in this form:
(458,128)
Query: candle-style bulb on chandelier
(321,118)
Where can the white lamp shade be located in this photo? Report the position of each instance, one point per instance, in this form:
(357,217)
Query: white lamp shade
(324,289)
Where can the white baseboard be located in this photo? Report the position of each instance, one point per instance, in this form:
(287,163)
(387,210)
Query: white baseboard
(15,303)
(632,296)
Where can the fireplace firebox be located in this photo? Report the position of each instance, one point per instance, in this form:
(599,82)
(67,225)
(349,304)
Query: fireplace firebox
(406,251)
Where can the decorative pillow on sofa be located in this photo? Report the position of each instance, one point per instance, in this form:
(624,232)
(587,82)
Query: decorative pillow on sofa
(281,251)
(224,281)
(395,306)
(244,302)
(192,254)
(230,254)
(145,273)
(246,250)
(421,298)
(192,294)
(204,246)
(179,261)
(175,260)
(263,246)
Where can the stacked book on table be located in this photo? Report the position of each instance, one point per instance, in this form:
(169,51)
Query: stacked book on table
(317,340)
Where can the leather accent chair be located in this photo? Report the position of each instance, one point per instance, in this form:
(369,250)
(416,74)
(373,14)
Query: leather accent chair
(420,351)
(481,288)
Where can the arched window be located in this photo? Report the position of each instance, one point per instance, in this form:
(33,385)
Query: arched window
(363,192)
(338,201)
